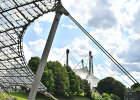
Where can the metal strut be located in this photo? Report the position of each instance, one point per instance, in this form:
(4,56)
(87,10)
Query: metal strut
(105,51)
(59,11)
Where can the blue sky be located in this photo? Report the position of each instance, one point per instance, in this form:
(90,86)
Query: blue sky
(63,35)
(115,24)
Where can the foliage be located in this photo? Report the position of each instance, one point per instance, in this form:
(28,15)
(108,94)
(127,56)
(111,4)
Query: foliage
(94,96)
(48,80)
(74,81)
(134,86)
(33,63)
(119,89)
(87,88)
(114,97)
(61,80)
(137,89)
(106,85)
(111,86)
(79,89)
(106,96)
(128,89)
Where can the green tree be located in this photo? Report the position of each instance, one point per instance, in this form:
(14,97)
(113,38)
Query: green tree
(33,64)
(48,80)
(105,96)
(78,85)
(61,79)
(72,86)
(128,89)
(106,85)
(137,89)
(82,86)
(94,96)
(111,86)
(134,86)
(114,97)
(119,89)
(74,81)
(87,89)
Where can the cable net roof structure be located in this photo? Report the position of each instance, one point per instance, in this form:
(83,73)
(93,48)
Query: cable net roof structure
(84,74)
(15,17)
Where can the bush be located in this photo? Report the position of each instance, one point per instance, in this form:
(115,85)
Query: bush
(137,89)
(114,97)
(106,96)
(94,96)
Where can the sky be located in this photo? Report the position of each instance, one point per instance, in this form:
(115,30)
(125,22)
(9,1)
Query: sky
(115,24)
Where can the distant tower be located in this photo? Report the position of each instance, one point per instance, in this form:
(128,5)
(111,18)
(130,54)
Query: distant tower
(82,63)
(90,61)
(67,57)
(92,64)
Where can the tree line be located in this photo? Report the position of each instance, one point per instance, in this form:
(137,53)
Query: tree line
(60,80)
(114,90)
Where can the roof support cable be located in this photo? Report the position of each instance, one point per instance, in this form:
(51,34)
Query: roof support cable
(106,52)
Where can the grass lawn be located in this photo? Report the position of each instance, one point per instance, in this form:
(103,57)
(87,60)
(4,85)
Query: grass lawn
(74,98)
(24,95)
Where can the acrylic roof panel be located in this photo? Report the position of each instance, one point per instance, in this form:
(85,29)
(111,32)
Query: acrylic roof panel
(84,74)
(15,16)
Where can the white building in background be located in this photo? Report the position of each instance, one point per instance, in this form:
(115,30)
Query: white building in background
(84,74)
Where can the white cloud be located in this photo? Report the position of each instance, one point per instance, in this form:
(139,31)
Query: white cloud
(79,9)
(136,74)
(38,30)
(124,11)
(135,23)
(79,48)
(47,17)
(131,55)
(69,26)
(33,48)
(37,46)
(102,16)
(112,40)
(106,18)
(56,54)
(27,52)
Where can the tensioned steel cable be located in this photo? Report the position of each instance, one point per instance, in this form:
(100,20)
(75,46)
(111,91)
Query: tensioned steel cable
(99,61)
(101,58)
(62,57)
(96,65)
(106,52)
(77,65)
(74,58)
(79,62)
